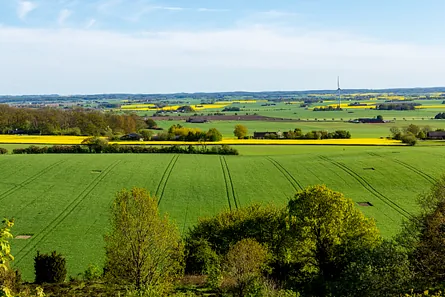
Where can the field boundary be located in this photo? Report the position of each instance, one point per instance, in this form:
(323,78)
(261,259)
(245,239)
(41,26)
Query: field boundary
(165,177)
(369,187)
(426,176)
(35,240)
(286,174)
(30,179)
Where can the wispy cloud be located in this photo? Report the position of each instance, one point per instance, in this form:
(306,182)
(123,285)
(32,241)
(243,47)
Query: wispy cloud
(24,8)
(204,9)
(64,14)
(90,23)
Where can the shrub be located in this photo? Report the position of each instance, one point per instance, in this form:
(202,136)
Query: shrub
(92,273)
(3,151)
(409,139)
(49,268)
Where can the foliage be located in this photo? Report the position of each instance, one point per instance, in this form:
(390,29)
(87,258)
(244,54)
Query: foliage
(127,149)
(265,224)
(92,273)
(409,139)
(146,134)
(151,123)
(214,135)
(143,248)
(325,227)
(240,131)
(49,268)
(95,144)
(245,262)
(381,271)
(9,278)
(424,238)
(3,151)
(51,121)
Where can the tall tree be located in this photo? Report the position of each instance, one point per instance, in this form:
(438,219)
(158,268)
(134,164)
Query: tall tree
(424,237)
(240,131)
(143,248)
(326,226)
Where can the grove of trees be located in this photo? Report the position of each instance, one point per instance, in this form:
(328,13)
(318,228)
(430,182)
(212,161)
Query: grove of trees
(318,244)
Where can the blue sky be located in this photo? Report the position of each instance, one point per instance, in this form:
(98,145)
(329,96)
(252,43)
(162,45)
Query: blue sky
(147,46)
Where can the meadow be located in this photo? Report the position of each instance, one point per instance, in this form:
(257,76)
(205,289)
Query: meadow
(62,201)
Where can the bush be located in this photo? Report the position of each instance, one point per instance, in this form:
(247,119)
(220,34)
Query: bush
(3,151)
(409,139)
(49,268)
(92,273)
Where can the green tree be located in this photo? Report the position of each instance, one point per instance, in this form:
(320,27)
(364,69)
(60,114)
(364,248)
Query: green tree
(325,227)
(8,276)
(146,134)
(95,144)
(424,237)
(151,123)
(245,262)
(143,248)
(240,131)
(213,135)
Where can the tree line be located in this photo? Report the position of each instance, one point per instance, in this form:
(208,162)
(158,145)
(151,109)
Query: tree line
(99,146)
(51,121)
(318,244)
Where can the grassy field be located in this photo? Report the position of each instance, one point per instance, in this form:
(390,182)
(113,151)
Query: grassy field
(62,201)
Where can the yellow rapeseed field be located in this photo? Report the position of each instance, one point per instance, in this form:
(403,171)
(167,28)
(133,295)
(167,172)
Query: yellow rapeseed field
(231,141)
(71,140)
(38,139)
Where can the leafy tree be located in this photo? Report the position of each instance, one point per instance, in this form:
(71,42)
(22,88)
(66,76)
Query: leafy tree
(151,123)
(143,248)
(396,133)
(424,238)
(381,271)
(413,129)
(240,131)
(265,224)
(409,139)
(213,135)
(379,117)
(325,227)
(95,144)
(245,263)
(146,134)
(8,277)
(49,268)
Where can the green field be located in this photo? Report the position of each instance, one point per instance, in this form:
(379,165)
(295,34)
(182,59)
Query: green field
(63,200)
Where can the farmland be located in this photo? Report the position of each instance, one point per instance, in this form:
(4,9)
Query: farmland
(62,201)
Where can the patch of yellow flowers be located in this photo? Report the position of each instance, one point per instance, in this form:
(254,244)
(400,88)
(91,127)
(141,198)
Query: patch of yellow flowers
(72,140)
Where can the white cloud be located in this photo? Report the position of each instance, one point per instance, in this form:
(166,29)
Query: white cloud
(24,8)
(90,23)
(255,58)
(64,14)
(203,9)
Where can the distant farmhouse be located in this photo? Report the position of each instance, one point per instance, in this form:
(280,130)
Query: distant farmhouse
(267,135)
(196,121)
(436,135)
(369,121)
(132,136)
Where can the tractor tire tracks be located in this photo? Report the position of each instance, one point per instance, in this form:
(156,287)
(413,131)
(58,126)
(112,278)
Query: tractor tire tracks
(230,189)
(165,177)
(29,180)
(369,187)
(35,240)
(295,184)
(419,172)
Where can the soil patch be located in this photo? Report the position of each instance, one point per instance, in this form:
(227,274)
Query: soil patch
(369,168)
(24,236)
(365,204)
(96,171)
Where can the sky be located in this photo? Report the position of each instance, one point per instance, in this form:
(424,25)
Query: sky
(167,46)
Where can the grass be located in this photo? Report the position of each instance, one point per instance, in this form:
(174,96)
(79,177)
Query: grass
(63,200)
